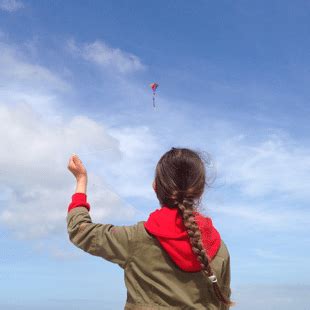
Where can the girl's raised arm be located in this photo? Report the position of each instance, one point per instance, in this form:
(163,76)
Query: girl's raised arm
(108,241)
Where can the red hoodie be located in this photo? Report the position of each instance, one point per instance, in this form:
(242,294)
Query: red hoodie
(166,224)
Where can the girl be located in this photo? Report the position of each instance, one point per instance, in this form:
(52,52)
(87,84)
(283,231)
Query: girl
(174,260)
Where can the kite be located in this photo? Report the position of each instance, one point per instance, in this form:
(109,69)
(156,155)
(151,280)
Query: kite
(154,87)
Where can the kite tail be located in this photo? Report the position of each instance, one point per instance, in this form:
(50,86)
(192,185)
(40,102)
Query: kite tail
(154,99)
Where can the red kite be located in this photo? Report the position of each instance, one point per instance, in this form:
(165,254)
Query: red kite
(154,87)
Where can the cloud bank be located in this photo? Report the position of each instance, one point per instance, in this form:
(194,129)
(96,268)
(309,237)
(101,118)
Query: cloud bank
(101,54)
(36,144)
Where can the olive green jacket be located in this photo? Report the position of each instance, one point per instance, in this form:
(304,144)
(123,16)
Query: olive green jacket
(152,279)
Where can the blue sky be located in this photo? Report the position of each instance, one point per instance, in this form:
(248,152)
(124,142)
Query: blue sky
(74,77)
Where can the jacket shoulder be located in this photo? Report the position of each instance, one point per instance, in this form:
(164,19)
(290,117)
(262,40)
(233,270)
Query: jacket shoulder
(141,231)
(223,251)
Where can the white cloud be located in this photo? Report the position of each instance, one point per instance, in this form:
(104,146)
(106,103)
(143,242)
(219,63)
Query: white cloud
(259,216)
(18,73)
(135,171)
(103,55)
(11,5)
(33,165)
(37,140)
(277,165)
(32,145)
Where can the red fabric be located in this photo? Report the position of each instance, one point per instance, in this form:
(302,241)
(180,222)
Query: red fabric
(79,200)
(167,226)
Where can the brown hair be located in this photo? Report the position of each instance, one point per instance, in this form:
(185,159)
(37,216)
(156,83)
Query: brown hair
(180,180)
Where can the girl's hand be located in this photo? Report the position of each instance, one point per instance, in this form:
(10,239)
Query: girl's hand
(76,167)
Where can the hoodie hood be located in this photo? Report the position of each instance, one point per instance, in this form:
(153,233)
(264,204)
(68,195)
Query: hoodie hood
(166,224)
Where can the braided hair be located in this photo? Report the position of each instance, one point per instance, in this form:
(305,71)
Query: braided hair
(180,180)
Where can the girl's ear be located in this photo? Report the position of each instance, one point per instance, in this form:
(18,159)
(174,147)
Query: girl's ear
(154,186)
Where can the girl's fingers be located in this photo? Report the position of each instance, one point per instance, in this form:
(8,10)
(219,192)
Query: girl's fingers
(75,165)
(77,161)
(75,158)
(71,163)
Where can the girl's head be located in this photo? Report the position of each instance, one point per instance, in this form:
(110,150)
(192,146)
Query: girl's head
(180,174)
(180,180)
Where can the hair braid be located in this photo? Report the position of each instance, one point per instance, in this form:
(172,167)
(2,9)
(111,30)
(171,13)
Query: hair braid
(180,179)
(187,210)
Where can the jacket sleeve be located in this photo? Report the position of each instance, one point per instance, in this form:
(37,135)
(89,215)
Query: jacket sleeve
(225,287)
(108,241)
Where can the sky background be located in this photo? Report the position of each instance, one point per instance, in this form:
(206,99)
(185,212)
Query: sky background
(234,83)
